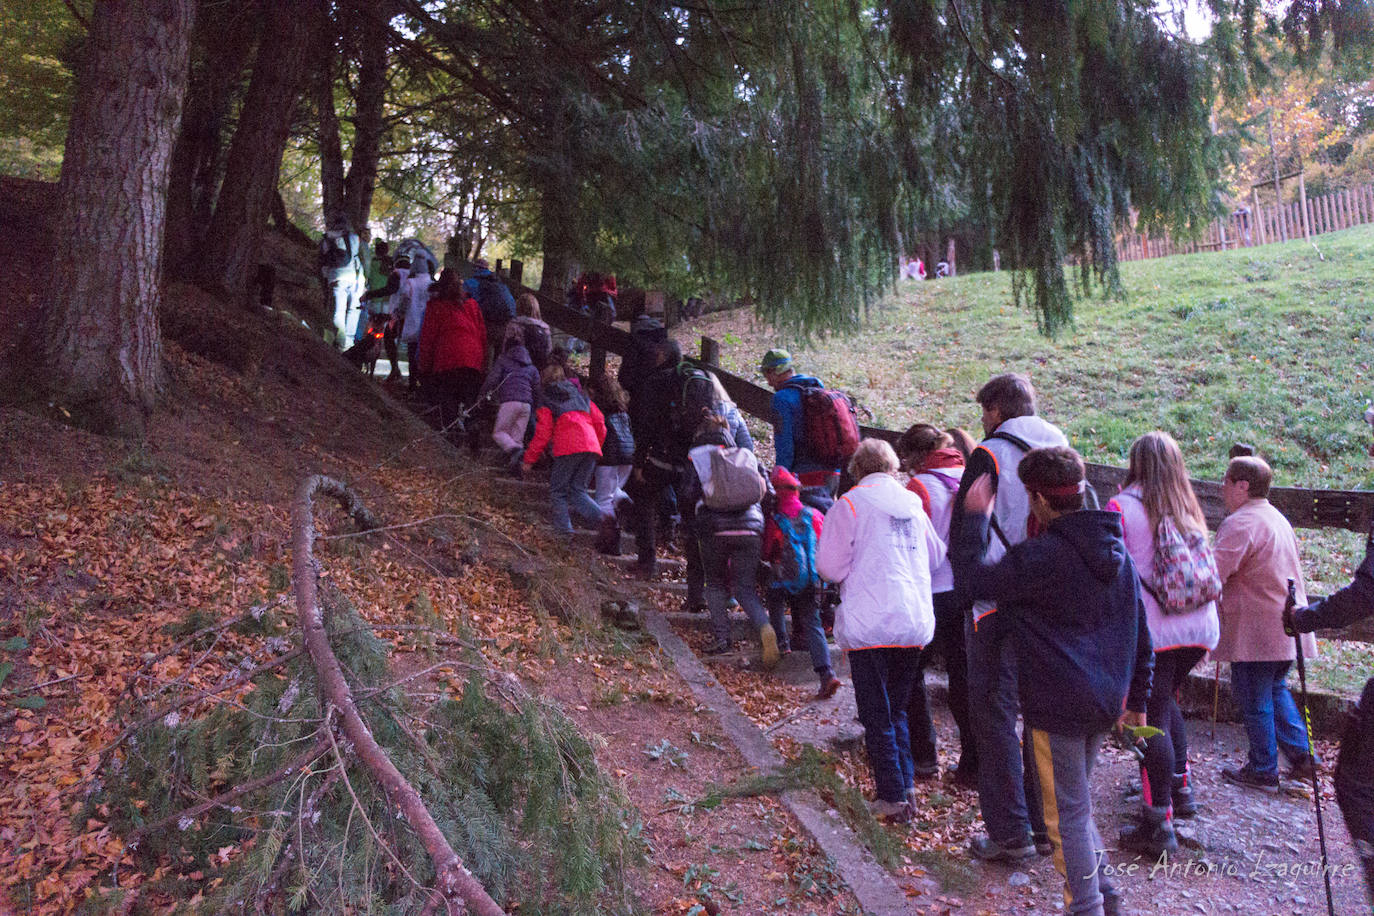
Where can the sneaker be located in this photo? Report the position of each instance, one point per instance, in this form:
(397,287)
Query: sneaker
(1152,834)
(829,687)
(694,606)
(1111,898)
(924,772)
(770,645)
(892,812)
(608,537)
(1248,777)
(719,648)
(985,849)
(1304,769)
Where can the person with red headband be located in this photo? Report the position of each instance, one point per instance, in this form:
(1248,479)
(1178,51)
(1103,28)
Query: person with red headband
(1070,599)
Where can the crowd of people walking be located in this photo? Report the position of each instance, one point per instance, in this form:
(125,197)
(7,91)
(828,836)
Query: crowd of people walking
(1047,609)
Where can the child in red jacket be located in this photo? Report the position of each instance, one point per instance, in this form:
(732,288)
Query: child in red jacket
(569,420)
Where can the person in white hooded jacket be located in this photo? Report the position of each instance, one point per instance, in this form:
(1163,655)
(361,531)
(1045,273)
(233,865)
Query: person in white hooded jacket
(880,546)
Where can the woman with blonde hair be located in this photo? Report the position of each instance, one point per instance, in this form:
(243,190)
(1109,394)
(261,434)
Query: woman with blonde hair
(1157,488)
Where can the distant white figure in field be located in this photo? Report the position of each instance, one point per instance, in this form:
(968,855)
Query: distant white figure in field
(913,269)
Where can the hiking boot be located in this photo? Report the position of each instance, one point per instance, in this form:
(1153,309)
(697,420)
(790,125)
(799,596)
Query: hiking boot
(1304,769)
(645,570)
(829,687)
(965,777)
(608,537)
(1042,843)
(1185,805)
(1111,897)
(694,606)
(892,812)
(1246,776)
(770,645)
(720,647)
(1152,834)
(924,772)
(985,849)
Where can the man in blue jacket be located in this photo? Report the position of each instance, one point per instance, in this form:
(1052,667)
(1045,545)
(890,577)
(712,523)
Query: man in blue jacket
(819,480)
(1071,597)
(1355,763)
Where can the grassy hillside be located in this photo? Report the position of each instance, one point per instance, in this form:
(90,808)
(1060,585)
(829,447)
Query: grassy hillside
(1271,346)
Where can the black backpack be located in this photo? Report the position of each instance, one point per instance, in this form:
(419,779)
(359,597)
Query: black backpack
(694,400)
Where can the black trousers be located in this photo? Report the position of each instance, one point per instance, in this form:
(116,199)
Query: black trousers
(1355,782)
(454,391)
(949,645)
(649,490)
(1167,754)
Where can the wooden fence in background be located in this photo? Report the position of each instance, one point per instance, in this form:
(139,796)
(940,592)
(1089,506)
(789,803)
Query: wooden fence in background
(1261,224)
(1352,510)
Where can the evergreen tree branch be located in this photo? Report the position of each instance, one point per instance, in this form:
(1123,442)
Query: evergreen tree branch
(453,879)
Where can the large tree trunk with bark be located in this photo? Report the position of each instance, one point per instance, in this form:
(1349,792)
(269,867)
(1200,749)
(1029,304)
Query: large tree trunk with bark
(558,212)
(333,192)
(250,175)
(220,49)
(102,348)
(370,103)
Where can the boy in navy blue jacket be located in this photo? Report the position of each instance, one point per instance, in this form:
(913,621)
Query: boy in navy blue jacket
(1083,648)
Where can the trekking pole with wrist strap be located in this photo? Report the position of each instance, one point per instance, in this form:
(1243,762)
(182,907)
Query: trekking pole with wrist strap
(1311,749)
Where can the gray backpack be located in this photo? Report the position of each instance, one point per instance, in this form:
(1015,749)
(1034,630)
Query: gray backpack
(735,482)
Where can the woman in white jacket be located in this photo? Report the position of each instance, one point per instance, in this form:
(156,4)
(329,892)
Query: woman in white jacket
(879,545)
(1157,486)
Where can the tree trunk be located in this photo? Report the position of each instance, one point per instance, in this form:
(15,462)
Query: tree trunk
(221,48)
(369,105)
(250,176)
(558,214)
(332,188)
(102,347)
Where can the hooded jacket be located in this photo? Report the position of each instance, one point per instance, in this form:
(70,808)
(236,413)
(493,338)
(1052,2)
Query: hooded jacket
(1196,629)
(1000,458)
(1352,603)
(936,483)
(879,545)
(569,419)
(513,377)
(537,338)
(1071,599)
(451,337)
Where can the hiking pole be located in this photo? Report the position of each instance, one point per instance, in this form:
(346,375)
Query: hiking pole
(1311,749)
(1216,700)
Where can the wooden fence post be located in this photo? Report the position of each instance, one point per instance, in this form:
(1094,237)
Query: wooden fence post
(1330,214)
(1302,203)
(1257,216)
(710,352)
(517,271)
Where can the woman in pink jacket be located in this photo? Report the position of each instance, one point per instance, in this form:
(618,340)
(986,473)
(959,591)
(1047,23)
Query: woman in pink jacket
(575,427)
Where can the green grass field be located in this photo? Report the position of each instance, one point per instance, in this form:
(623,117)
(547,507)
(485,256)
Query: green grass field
(1272,346)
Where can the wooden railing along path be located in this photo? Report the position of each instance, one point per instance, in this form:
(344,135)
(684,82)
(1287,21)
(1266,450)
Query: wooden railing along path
(1352,510)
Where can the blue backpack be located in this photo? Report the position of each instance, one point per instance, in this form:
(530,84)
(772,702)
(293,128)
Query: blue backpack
(796,571)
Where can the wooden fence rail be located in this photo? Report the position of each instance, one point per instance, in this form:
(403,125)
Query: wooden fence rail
(1261,224)
(1352,510)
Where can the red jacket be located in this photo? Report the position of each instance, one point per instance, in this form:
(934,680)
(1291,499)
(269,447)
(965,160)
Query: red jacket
(574,431)
(453,336)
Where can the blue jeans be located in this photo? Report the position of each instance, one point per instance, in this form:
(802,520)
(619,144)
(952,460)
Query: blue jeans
(882,684)
(806,616)
(1272,721)
(724,556)
(1008,793)
(568,481)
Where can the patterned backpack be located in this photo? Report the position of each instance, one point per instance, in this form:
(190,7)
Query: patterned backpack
(1185,576)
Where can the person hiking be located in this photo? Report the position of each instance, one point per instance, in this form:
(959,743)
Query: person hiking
(617,452)
(790,535)
(1007,786)
(533,331)
(660,456)
(450,343)
(414,298)
(819,479)
(496,301)
(646,333)
(729,534)
(1256,555)
(878,544)
(573,427)
(1355,758)
(1069,600)
(342,273)
(1157,489)
(387,300)
(937,467)
(513,382)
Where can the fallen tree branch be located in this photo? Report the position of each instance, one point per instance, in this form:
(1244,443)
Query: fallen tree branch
(452,879)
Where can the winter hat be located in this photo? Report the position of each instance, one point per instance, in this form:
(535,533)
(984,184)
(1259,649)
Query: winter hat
(784,479)
(776,360)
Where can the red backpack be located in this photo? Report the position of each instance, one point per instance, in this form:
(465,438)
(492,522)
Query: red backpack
(831,432)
